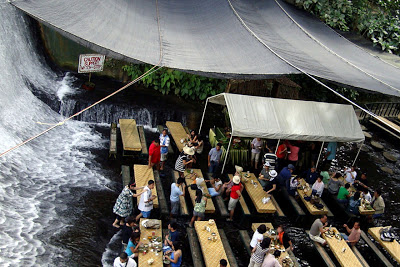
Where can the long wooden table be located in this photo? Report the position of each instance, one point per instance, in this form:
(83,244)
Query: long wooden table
(144,233)
(178,133)
(130,135)
(142,175)
(346,258)
(257,193)
(310,207)
(213,252)
(210,208)
(392,247)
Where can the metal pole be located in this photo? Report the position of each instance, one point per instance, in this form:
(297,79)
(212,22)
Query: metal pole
(227,152)
(90,76)
(320,151)
(202,118)
(358,153)
(277,145)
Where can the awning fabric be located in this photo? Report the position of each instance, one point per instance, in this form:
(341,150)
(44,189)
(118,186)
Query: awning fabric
(253,39)
(275,118)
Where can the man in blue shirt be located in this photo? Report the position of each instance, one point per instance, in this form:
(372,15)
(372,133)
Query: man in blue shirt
(310,175)
(214,157)
(330,152)
(177,190)
(285,175)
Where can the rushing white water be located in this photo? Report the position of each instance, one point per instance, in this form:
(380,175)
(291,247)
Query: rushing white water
(36,179)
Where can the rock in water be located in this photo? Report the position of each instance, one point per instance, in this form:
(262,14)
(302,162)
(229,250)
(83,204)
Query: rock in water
(377,145)
(367,135)
(387,170)
(377,160)
(389,157)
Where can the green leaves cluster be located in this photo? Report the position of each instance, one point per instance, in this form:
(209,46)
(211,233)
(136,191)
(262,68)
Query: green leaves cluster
(379,20)
(180,83)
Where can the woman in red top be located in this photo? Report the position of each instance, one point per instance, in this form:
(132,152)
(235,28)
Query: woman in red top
(154,154)
(236,193)
(293,156)
(281,154)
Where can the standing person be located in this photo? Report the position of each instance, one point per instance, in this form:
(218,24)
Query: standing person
(256,146)
(236,193)
(258,253)
(285,174)
(351,175)
(317,228)
(164,143)
(124,205)
(154,154)
(199,207)
(378,204)
(173,234)
(293,156)
(258,236)
(270,157)
(124,261)
(175,255)
(214,157)
(133,245)
(146,201)
(281,155)
(183,160)
(354,234)
(330,153)
(343,194)
(127,230)
(318,186)
(284,238)
(177,190)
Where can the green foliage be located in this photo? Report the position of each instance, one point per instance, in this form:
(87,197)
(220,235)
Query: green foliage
(180,83)
(379,20)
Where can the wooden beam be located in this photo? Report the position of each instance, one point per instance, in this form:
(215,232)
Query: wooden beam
(113,141)
(378,253)
(278,208)
(142,138)
(244,235)
(195,248)
(299,211)
(322,252)
(359,256)
(227,248)
(160,193)
(126,175)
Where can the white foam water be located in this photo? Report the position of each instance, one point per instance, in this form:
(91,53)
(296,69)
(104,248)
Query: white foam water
(36,179)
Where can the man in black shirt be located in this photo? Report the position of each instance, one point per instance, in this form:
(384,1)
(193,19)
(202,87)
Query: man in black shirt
(361,182)
(127,230)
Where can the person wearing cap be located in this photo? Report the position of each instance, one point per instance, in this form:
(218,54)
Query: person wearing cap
(236,193)
(214,157)
(285,175)
(183,160)
(264,175)
(272,182)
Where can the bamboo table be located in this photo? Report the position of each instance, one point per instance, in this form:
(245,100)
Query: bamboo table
(310,207)
(130,135)
(346,258)
(178,133)
(392,247)
(142,175)
(213,252)
(210,208)
(364,211)
(144,234)
(257,193)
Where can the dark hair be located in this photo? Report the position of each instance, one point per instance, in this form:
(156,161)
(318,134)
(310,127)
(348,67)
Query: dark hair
(378,191)
(123,256)
(347,186)
(150,182)
(321,177)
(219,144)
(132,182)
(134,236)
(173,225)
(338,175)
(180,180)
(277,253)
(356,222)
(130,220)
(165,129)
(357,195)
(177,245)
(323,216)
(262,229)
(223,262)
(157,141)
(265,243)
(365,190)
(193,131)
(199,195)
(280,226)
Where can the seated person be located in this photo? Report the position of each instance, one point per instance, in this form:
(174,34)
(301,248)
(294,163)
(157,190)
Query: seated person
(361,182)
(311,175)
(294,183)
(378,204)
(343,194)
(366,195)
(272,183)
(284,238)
(318,186)
(325,176)
(192,138)
(354,203)
(200,145)
(354,234)
(216,187)
(334,184)
(133,245)
(173,234)
(264,175)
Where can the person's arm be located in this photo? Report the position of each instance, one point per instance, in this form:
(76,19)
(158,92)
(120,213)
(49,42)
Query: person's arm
(150,156)
(209,156)
(291,245)
(272,189)
(254,249)
(138,194)
(176,257)
(347,228)
(186,162)
(136,249)
(183,190)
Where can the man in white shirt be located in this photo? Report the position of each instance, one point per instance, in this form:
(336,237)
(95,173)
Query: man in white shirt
(351,175)
(164,143)
(146,201)
(124,261)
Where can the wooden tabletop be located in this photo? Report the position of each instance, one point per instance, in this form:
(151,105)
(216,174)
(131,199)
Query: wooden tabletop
(310,207)
(210,208)
(257,193)
(392,247)
(364,211)
(178,132)
(213,252)
(144,233)
(130,135)
(346,258)
(142,175)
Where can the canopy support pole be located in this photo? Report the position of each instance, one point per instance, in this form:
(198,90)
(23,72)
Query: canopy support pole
(227,153)
(202,118)
(320,151)
(358,153)
(277,145)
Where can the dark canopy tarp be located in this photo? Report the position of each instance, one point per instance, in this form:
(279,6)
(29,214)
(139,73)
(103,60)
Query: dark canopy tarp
(227,38)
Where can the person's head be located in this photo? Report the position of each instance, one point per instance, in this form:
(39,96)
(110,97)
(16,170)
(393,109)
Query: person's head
(236,180)
(290,167)
(347,186)
(199,195)
(265,243)
(356,225)
(172,226)
(277,254)
(131,185)
(123,257)
(217,179)
(261,229)
(363,176)
(135,237)
(150,184)
(323,218)
(130,221)
(223,263)
(280,229)
(353,168)
(313,169)
(338,175)
(164,132)
(319,178)
(377,193)
(258,139)
(272,174)
(180,180)
(176,245)
(267,165)
(157,142)
(357,195)
(193,133)
(218,147)
(364,190)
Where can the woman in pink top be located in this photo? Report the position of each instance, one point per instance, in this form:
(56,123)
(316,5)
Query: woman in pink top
(293,156)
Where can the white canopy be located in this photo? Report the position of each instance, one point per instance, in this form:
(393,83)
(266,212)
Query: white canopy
(274,118)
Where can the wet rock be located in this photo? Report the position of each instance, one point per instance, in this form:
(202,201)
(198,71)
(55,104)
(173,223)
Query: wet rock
(387,170)
(378,160)
(363,127)
(377,145)
(389,157)
(365,148)
(367,135)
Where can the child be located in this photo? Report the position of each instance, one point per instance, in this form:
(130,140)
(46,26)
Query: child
(199,207)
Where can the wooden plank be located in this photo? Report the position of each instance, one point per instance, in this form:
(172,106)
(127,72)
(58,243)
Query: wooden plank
(278,208)
(293,202)
(394,125)
(144,233)
(392,247)
(313,210)
(346,258)
(142,138)
(243,204)
(195,248)
(160,193)
(244,235)
(210,208)
(212,251)
(184,209)
(130,135)
(227,247)
(113,141)
(160,128)
(178,133)
(142,175)
(322,252)
(384,128)
(359,256)
(126,175)
(380,255)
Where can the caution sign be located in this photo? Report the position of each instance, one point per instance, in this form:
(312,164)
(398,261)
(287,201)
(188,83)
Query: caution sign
(91,63)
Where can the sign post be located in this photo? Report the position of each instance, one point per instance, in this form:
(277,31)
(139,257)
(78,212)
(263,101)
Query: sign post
(89,63)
